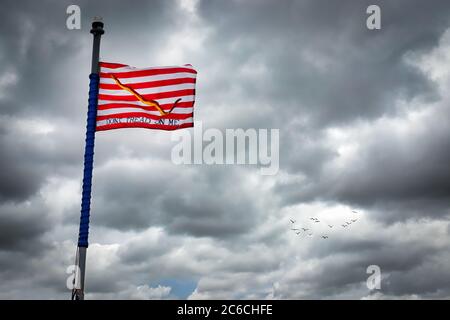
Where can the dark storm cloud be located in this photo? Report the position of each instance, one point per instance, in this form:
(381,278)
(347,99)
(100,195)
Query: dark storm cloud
(51,64)
(320,57)
(344,266)
(324,66)
(130,198)
(430,278)
(30,156)
(51,81)
(401,177)
(18,182)
(22,227)
(22,246)
(302,66)
(403,169)
(46,55)
(46,68)
(309,155)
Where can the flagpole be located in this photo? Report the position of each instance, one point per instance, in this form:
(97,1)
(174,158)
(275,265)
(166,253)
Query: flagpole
(78,290)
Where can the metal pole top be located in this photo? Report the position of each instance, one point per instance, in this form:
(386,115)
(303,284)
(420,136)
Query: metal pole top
(97,26)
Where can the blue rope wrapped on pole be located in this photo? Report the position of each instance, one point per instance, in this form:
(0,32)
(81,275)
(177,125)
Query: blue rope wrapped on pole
(88,161)
(83,235)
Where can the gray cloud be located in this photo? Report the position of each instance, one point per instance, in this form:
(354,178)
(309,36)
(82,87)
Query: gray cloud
(363,119)
(161,199)
(309,48)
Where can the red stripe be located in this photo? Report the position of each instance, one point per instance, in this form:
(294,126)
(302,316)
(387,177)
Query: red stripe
(151,96)
(112,65)
(175,116)
(144,73)
(149,84)
(188,104)
(144,125)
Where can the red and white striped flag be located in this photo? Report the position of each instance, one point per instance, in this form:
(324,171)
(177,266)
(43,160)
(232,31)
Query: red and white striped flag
(154,98)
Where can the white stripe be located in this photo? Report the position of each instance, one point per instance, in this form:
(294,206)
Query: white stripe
(132,69)
(114,111)
(188,120)
(139,103)
(149,78)
(122,92)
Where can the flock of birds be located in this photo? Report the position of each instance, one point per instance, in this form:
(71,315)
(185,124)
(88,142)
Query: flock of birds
(308,231)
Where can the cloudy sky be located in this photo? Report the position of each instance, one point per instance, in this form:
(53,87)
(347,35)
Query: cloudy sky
(364,119)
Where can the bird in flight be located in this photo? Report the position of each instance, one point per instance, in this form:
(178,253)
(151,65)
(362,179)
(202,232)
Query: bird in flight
(295,229)
(344,225)
(310,234)
(312,219)
(354,211)
(330,225)
(354,220)
(305,229)
(325,237)
(292,221)
(316,221)
(298,233)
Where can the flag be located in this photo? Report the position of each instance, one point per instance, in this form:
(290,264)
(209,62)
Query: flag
(153,98)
